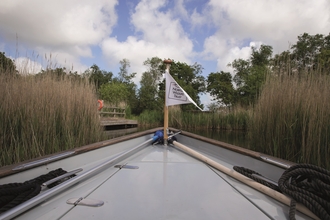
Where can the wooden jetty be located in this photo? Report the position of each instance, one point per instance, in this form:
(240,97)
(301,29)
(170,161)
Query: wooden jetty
(120,132)
(126,123)
(110,111)
(114,118)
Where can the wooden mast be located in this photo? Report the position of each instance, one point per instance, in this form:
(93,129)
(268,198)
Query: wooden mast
(168,64)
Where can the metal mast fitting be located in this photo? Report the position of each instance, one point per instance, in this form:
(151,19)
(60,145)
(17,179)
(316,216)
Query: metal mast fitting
(168,62)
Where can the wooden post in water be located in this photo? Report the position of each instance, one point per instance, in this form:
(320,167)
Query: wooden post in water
(168,64)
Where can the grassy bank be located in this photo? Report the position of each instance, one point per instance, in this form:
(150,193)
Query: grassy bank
(292,119)
(44,115)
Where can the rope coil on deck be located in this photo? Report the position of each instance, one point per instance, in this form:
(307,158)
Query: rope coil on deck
(247,172)
(309,185)
(13,194)
(304,183)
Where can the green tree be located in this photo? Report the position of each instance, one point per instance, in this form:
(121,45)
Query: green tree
(114,92)
(242,71)
(213,107)
(311,52)
(97,76)
(220,86)
(250,74)
(324,61)
(126,78)
(59,73)
(148,92)
(262,56)
(7,65)
(154,66)
(123,75)
(281,63)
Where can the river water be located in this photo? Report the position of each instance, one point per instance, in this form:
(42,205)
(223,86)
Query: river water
(237,138)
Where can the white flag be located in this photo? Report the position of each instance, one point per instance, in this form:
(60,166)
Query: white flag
(175,95)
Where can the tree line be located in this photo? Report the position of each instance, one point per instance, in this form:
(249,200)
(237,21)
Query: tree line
(309,55)
(150,94)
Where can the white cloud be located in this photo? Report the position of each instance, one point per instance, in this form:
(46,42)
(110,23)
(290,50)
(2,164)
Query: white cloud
(272,19)
(25,65)
(158,34)
(160,28)
(67,28)
(236,53)
(198,20)
(276,23)
(180,9)
(214,47)
(61,58)
(137,51)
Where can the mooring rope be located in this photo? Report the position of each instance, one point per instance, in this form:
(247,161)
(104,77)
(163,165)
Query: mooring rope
(304,183)
(309,185)
(13,194)
(249,173)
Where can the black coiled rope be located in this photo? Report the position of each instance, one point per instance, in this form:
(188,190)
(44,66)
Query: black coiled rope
(304,183)
(13,194)
(309,185)
(249,173)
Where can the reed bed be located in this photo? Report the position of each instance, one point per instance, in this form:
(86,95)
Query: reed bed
(292,119)
(151,118)
(45,115)
(233,120)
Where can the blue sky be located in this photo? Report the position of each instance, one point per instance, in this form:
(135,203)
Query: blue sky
(78,33)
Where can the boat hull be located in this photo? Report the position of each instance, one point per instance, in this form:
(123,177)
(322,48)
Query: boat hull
(166,183)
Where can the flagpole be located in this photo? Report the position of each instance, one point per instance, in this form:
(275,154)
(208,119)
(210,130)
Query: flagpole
(168,64)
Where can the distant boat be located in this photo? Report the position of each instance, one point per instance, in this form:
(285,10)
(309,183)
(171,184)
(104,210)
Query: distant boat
(161,173)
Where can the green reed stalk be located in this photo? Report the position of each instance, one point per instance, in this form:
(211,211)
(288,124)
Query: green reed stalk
(291,119)
(233,120)
(43,115)
(151,118)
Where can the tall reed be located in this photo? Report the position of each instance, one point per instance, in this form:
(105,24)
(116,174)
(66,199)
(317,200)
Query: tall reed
(234,120)
(45,115)
(150,118)
(292,119)
(237,119)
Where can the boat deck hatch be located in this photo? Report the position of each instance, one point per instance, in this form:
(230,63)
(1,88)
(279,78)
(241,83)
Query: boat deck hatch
(126,166)
(85,202)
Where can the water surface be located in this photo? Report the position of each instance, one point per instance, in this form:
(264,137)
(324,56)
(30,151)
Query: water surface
(238,138)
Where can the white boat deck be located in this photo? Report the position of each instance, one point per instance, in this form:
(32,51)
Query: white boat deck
(168,184)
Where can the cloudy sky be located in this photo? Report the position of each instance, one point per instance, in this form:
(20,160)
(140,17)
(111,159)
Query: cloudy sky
(78,33)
